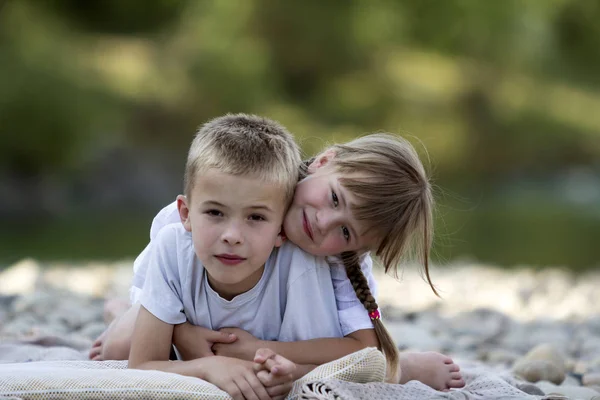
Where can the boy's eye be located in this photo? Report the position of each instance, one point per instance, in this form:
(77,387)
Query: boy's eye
(334,198)
(346,233)
(214,213)
(257,217)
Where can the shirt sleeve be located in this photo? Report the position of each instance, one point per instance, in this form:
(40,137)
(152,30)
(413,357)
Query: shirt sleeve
(166,216)
(162,291)
(352,314)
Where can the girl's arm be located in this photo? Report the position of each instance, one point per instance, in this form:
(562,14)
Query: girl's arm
(321,351)
(311,352)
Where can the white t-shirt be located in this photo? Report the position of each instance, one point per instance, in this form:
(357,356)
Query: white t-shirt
(287,304)
(352,314)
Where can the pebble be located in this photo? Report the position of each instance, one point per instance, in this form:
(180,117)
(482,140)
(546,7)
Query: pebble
(542,363)
(591,379)
(574,392)
(543,326)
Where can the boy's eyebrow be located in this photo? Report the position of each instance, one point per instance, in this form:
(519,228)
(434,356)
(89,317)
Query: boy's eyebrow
(253,207)
(213,203)
(261,207)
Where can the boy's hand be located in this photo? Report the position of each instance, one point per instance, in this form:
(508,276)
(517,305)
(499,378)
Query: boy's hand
(275,372)
(195,341)
(243,348)
(236,377)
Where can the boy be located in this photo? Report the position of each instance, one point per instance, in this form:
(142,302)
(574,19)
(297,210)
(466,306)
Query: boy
(218,267)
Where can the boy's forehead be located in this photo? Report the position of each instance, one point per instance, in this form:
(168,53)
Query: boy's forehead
(238,188)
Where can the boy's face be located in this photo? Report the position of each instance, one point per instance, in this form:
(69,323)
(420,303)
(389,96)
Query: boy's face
(235,223)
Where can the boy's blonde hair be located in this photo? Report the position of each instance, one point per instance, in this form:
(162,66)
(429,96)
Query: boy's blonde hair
(245,145)
(395,203)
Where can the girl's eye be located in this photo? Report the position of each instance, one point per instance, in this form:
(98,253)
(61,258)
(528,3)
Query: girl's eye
(346,233)
(334,198)
(214,213)
(256,217)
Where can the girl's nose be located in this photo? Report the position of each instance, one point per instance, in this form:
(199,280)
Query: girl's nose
(327,220)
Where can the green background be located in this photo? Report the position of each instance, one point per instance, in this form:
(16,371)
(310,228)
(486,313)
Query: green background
(99,101)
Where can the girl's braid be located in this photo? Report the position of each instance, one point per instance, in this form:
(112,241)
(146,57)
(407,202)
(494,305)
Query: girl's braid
(363,292)
(359,281)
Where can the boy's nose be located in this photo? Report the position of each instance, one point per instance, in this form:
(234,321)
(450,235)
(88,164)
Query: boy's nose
(232,235)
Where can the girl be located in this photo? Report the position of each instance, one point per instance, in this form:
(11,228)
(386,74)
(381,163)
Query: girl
(370,194)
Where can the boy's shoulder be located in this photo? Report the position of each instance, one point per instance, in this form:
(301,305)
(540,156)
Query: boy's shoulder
(168,215)
(173,238)
(173,231)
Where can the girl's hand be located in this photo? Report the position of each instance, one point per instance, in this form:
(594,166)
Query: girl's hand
(244,347)
(275,372)
(195,341)
(235,377)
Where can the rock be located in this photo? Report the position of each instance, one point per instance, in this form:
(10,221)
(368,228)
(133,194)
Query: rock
(571,381)
(530,388)
(412,336)
(93,330)
(539,370)
(20,278)
(544,362)
(573,392)
(591,379)
(22,325)
(499,356)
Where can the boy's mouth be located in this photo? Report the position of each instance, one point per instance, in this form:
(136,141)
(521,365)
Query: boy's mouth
(306,226)
(229,259)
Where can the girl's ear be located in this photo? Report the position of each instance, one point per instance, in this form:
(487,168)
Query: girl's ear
(321,160)
(184,212)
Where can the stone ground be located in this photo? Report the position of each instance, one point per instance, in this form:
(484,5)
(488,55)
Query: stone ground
(544,326)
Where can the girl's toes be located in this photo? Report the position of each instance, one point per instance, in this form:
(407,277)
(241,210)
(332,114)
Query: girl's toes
(456,383)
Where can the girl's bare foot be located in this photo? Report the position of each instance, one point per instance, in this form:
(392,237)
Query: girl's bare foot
(96,351)
(433,369)
(114,308)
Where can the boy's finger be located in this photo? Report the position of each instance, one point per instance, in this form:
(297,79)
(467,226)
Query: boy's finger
(280,390)
(282,366)
(270,380)
(256,367)
(279,366)
(252,388)
(220,337)
(263,354)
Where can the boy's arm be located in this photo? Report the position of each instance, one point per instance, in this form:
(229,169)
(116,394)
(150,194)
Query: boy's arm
(150,348)
(195,341)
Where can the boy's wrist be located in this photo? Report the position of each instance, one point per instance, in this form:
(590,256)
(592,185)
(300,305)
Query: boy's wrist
(201,367)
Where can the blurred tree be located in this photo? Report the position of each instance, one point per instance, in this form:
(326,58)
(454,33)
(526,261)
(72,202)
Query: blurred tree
(131,17)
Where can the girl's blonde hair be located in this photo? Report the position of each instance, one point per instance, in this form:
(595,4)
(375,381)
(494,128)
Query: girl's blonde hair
(395,202)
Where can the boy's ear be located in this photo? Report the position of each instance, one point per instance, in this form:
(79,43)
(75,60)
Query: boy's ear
(184,212)
(280,238)
(321,160)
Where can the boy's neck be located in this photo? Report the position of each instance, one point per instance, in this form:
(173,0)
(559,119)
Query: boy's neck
(229,291)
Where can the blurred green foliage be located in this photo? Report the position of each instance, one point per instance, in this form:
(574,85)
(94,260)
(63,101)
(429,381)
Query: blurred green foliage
(495,95)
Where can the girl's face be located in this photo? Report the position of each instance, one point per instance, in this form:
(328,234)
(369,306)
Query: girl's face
(320,220)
